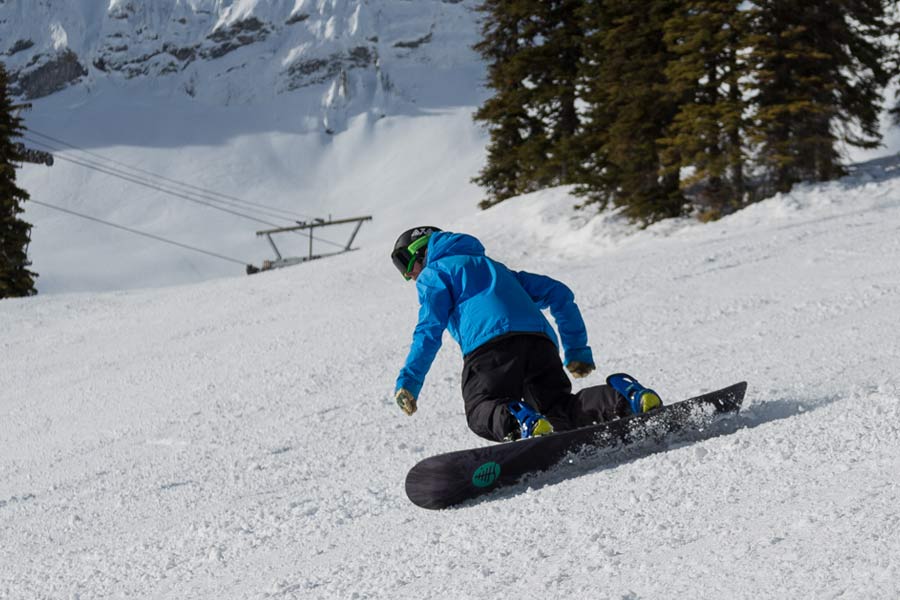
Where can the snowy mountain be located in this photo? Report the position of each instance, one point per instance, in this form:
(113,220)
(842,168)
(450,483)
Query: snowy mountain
(356,54)
(294,110)
(237,438)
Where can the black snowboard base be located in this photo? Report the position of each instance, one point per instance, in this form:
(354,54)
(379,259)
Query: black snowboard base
(448,479)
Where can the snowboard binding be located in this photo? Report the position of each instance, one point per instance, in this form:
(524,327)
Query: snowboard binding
(531,422)
(640,399)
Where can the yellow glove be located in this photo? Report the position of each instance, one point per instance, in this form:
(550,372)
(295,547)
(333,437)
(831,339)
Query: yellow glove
(406,401)
(579,369)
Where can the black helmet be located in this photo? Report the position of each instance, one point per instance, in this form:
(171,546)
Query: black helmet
(410,247)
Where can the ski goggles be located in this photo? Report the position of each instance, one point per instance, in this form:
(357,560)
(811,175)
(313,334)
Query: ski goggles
(405,258)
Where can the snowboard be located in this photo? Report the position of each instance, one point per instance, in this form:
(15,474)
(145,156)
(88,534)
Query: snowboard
(448,479)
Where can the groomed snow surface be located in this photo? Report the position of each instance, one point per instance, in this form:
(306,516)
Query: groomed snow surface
(237,438)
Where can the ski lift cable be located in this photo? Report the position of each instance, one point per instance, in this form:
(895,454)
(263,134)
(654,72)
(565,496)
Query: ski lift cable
(86,162)
(152,186)
(141,233)
(292,214)
(211,195)
(135,179)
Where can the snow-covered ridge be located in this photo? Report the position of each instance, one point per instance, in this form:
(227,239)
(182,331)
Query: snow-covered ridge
(220,51)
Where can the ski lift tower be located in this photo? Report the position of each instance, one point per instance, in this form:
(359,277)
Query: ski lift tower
(309,226)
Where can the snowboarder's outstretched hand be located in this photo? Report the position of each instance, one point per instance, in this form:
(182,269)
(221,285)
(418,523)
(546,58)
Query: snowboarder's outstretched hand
(406,401)
(579,369)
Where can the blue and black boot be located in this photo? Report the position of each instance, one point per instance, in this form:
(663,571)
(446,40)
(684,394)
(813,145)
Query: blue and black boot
(640,399)
(531,422)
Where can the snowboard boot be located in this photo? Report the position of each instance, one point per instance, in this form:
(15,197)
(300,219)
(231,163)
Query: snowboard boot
(640,399)
(531,422)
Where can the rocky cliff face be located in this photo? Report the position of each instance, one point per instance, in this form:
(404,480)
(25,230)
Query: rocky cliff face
(237,51)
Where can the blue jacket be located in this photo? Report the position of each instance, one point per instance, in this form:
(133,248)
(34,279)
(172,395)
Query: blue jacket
(477,299)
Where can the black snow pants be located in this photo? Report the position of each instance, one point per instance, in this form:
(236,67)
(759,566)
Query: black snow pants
(524,366)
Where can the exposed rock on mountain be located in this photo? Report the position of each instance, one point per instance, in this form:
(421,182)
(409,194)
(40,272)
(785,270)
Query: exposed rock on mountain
(237,35)
(347,55)
(47,74)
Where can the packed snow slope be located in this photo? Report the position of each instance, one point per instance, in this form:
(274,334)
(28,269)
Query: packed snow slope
(237,438)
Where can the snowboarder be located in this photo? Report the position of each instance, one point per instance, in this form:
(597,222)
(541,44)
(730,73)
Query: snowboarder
(513,382)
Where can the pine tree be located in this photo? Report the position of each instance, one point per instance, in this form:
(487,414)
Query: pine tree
(893,59)
(533,49)
(504,112)
(819,74)
(555,67)
(630,107)
(706,137)
(15,278)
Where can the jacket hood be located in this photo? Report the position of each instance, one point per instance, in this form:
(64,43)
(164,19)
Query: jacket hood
(446,243)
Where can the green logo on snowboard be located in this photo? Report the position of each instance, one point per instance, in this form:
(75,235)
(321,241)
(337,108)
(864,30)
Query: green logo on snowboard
(486,474)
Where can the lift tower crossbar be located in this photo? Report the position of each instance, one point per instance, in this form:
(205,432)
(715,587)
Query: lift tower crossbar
(309,226)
